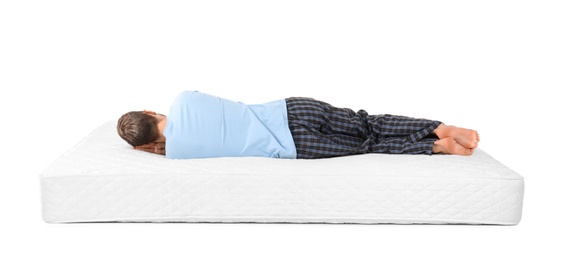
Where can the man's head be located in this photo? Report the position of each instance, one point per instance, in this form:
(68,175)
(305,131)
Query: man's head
(141,127)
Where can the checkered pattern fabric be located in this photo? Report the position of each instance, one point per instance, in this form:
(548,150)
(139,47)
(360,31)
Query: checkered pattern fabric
(321,130)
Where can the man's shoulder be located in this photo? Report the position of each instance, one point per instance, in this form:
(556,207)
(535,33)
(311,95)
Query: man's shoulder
(187,93)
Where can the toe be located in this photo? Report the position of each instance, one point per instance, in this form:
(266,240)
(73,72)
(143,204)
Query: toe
(469,152)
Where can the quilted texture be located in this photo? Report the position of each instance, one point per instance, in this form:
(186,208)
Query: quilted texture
(103,179)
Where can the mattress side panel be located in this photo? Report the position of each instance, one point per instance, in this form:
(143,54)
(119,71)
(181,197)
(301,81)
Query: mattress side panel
(281,198)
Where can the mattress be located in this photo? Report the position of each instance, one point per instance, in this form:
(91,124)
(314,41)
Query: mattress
(102,179)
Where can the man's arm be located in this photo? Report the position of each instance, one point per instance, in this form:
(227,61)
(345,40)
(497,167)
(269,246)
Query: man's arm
(158,148)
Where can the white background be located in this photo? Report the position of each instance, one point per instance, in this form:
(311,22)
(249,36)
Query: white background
(68,66)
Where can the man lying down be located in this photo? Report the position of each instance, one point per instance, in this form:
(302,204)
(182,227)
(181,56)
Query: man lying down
(205,126)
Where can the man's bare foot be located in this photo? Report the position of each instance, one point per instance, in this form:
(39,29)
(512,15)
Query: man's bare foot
(466,137)
(449,146)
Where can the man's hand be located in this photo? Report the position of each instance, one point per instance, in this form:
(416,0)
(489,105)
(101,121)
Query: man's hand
(158,148)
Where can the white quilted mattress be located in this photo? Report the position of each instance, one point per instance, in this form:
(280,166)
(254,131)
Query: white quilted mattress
(102,179)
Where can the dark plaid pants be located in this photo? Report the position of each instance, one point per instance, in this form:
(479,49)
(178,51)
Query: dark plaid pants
(321,130)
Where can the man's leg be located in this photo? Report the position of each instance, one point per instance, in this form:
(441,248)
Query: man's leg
(401,134)
(401,145)
(421,135)
(320,130)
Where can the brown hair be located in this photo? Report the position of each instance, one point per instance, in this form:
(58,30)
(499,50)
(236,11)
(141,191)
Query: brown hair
(137,128)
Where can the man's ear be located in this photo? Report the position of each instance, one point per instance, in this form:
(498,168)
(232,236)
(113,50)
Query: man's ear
(148,112)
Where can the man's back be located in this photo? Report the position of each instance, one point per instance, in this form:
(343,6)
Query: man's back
(202,126)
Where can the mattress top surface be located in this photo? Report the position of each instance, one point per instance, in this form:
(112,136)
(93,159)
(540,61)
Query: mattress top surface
(103,152)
